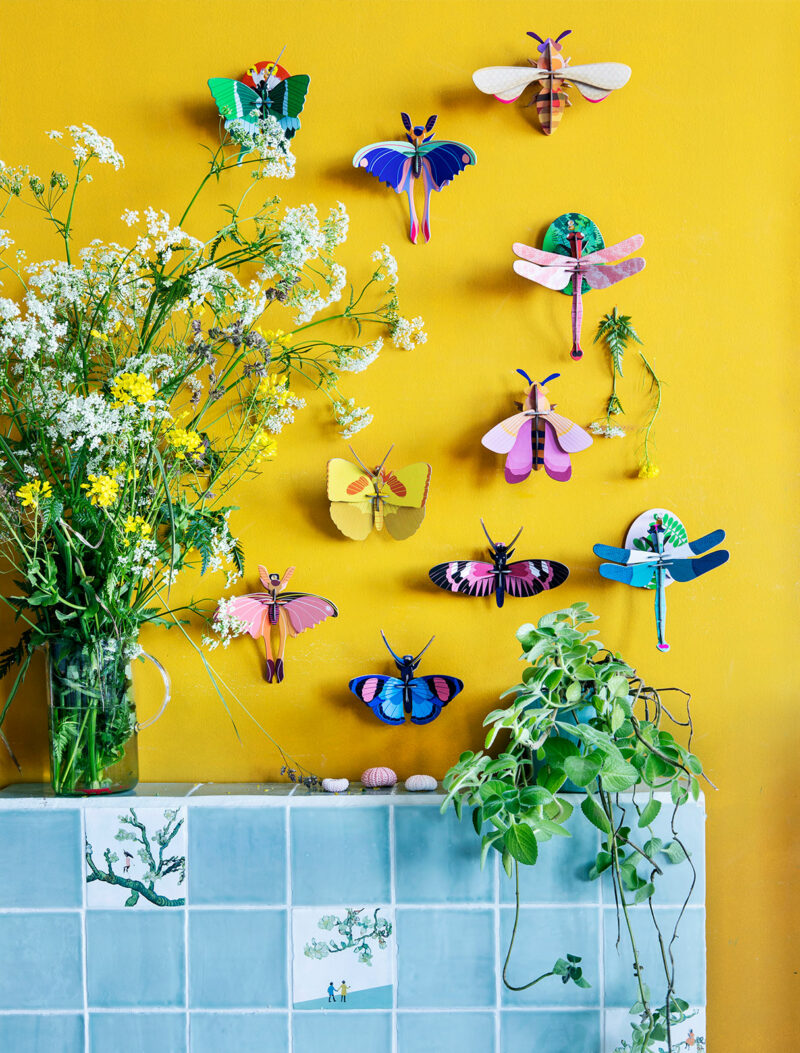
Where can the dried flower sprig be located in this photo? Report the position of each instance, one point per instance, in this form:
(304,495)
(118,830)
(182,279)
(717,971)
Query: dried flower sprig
(648,469)
(616,332)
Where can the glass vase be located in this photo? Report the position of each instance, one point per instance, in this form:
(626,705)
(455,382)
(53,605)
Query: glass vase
(93,726)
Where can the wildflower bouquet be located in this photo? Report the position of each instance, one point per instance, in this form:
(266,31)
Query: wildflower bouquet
(137,385)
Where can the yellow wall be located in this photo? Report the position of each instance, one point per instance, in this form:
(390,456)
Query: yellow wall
(698,153)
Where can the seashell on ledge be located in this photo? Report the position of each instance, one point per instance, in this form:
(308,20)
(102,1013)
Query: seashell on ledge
(374,777)
(420,783)
(335,785)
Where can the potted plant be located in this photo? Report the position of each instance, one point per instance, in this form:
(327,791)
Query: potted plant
(581,717)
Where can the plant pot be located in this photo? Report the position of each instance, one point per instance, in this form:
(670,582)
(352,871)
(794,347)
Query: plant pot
(93,726)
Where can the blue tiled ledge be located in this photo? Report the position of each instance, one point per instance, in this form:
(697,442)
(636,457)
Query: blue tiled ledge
(213,957)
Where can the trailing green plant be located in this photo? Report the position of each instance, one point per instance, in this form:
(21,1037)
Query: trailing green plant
(581,719)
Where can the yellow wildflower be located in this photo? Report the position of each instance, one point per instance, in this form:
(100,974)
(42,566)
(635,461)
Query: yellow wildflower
(276,338)
(31,493)
(648,470)
(183,441)
(274,390)
(136,525)
(99,336)
(262,444)
(132,387)
(102,490)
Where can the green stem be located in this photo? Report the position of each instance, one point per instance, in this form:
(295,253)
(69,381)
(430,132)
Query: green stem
(544,976)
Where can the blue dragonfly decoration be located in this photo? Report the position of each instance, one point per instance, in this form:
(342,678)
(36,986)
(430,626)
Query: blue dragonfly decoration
(657,553)
(393,698)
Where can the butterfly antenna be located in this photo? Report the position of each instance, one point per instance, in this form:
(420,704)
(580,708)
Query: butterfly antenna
(383,462)
(561,36)
(360,462)
(535,36)
(522,373)
(553,376)
(486,532)
(388,648)
(514,538)
(424,649)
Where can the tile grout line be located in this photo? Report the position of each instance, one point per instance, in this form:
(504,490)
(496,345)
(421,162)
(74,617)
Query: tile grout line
(186,932)
(393,906)
(498,993)
(601,951)
(84,941)
(289,932)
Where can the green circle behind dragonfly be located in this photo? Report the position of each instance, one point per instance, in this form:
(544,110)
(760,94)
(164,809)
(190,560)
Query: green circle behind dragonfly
(639,535)
(556,239)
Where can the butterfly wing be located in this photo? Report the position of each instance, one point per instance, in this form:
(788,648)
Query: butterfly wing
(389,162)
(519,463)
(600,277)
(252,609)
(235,101)
(502,436)
(430,694)
(597,80)
(506,83)
(540,256)
(549,277)
(351,510)
(305,610)
(444,160)
(407,487)
(402,522)
(355,520)
(612,253)
(623,555)
(689,569)
(640,575)
(286,100)
(570,436)
(472,577)
(703,544)
(383,695)
(529,577)
(556,459)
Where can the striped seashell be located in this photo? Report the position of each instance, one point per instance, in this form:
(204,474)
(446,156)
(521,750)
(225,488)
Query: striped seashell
(418,783)
(373,777)
(335,785)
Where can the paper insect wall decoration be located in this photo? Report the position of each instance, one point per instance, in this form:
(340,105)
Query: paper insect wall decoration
(393,698)
(525,577)
(572,247)
(292,612)
(657,552)
(265,89)
(553,73)
(365,498)
(399,165)
(537,437)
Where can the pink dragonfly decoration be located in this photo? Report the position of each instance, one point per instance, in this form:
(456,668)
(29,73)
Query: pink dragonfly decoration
(572,270)
(292,612)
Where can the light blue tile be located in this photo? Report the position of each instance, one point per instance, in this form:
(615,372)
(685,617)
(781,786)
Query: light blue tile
(445,1032)
(326,1033)
(135,958)
(43,966)
(674,884)
(242,1032)
(545,934)
(561,873)
(40,858)
(437,859)
(42,1034)
(138,1032)
(556,1031)
(689,951)
(238,855)
(445,958)
(237,959)
(340,855)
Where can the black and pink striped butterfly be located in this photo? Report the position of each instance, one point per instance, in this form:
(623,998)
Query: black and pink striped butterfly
(524,577)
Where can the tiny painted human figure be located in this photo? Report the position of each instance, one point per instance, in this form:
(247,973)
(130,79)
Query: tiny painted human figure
(343,991)
(331,992)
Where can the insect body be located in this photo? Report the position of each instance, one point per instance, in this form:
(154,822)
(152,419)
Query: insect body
(526,577)
(399,164)
(365,498)
(564,263)
(393,698)
(537,437)
(552,72)
(657,552)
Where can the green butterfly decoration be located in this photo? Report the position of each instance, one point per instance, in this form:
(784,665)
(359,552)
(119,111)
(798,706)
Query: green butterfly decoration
(266,89)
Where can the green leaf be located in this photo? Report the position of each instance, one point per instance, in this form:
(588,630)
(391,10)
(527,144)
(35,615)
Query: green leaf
(644,892)
(583,770)
(520,842)
(585,671)
(533,796)
(556,750)
(617,775)
(674,852)
(602,862)
(477,820)
(582,982)
(573,692)
(595,814)
(653,846)
(694,765)
(553,679)
(551,827)
(649,812)
(508,862)
(679,793)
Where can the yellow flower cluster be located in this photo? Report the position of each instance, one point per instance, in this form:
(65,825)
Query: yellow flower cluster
(136,525)
(271,389)
(132,387)
(263,444)
(31,493)
(648,470)
(276,338)
(183,441)
(102,490)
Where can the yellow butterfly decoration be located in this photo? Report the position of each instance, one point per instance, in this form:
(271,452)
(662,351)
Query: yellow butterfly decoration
(362,498)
